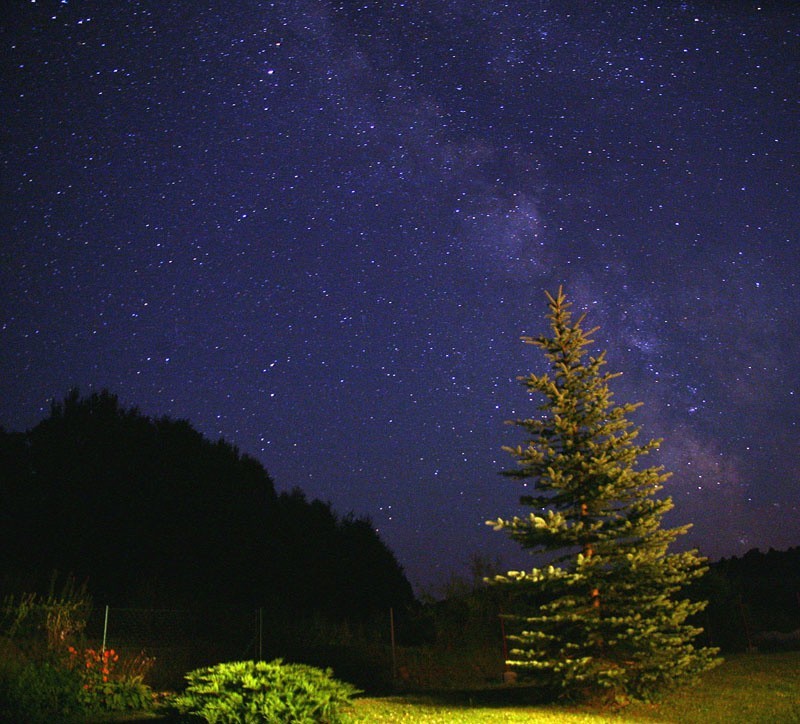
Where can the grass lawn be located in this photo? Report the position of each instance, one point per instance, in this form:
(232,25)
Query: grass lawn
(749,688)
(745,689)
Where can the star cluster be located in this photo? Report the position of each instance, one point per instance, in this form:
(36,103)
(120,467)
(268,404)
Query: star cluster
(319,228)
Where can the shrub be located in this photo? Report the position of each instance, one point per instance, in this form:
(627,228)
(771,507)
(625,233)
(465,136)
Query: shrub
(246,692)
(119,695)
(45,623)
(40,691)
(35,684)
(106,689)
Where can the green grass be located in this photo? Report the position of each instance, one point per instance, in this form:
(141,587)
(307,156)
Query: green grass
(749,688)
(745,689)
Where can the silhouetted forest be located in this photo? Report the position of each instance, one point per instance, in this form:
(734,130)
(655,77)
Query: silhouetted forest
(754,601)
(148,512)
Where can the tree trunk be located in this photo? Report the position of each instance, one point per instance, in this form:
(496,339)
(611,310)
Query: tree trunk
(588,552)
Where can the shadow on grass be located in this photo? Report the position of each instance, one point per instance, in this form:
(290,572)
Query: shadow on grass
(156,717)
(498,697)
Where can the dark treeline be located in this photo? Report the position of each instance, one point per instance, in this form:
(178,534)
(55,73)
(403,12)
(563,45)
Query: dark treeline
(754,601)
(148,512)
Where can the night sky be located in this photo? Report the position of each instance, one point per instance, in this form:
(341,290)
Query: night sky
(318,229)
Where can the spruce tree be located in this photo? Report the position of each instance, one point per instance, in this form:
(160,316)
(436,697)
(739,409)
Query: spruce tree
(605,620)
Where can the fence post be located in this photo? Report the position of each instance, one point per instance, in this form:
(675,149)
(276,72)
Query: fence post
(260,634)
(394,653)
(105,630)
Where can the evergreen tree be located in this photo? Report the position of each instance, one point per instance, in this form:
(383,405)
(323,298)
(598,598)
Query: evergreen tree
(603,621)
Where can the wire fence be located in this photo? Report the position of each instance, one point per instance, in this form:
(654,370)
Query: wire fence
(180,640)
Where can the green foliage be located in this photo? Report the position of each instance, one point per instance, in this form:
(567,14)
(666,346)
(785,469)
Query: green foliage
(247,692)
(105,689)
(36,684)
(40,691)
(36,621)
(45,678)
(602,621)
(130,694)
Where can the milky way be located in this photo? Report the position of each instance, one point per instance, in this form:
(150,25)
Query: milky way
(319,229)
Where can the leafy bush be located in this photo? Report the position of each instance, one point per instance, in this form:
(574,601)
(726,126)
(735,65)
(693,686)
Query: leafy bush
(45,678)
(35,684)
(120,695)
(103,687)
(246,692)
(36,623)
(41,691)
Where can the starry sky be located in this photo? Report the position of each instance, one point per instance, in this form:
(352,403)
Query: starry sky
(318,229)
